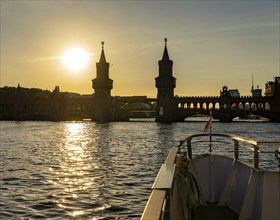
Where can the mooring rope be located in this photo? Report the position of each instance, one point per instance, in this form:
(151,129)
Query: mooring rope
(186,182)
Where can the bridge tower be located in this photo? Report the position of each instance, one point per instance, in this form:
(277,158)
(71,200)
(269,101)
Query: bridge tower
(225,107)
(275,100)
(102,85)
(165,83)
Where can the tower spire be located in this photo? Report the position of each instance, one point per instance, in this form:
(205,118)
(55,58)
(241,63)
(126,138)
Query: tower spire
(102,85)
(165,83)
(165,52)
(252,88)
(102,57)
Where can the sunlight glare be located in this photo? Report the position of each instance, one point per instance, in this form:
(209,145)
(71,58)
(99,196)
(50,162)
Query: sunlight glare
(75,58)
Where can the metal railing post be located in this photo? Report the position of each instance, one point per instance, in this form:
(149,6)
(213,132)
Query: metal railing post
(189,149)
(256,156)
(236,149)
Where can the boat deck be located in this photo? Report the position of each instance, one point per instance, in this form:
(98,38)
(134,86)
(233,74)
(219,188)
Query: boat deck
(211,186)
(213,211)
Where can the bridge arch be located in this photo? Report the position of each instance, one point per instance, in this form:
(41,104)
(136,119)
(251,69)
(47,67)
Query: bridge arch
(260,106)
(225,108)
(267,106)
(204,106)
(217,106)
(234,105)
(136,105)
(254,106)
(247,106)
(240,106)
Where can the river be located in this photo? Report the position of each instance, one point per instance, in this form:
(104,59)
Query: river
(87,170)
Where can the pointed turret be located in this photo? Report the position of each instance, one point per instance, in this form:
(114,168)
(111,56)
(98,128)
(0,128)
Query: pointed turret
(102,67)
(165,65)
(102,56)
(102,86)
(165,52)
(165,84)
(252,88)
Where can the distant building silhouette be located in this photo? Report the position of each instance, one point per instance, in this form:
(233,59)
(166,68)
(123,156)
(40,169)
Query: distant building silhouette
(255,92)
(272,87)
(234,93)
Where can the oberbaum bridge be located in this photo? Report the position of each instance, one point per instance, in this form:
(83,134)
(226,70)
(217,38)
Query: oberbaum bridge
(167,107)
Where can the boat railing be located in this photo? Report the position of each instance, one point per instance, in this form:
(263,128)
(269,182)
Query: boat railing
(156,206)
(255,145)
(161,188)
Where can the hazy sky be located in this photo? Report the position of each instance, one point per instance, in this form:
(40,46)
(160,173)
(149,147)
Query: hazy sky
(212,43)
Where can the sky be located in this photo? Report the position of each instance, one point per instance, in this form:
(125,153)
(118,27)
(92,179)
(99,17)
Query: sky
(211,43)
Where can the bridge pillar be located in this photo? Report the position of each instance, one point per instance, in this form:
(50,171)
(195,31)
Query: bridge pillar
(165,83)
(275,101)
(275,108)
(225,116)
(102,85)
(225,106)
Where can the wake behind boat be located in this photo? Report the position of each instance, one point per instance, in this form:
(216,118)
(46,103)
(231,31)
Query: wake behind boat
(196,182)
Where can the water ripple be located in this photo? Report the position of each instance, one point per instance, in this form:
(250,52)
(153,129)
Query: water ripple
(85,170)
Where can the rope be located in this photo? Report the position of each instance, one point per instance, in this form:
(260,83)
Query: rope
(186,182)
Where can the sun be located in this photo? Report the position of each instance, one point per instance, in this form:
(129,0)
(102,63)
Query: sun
(75,58)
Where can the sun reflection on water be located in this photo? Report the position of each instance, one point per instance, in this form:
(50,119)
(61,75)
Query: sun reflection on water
(76,213)
(75,164)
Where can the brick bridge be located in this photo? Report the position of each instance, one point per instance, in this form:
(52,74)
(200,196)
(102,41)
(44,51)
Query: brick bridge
(225,108)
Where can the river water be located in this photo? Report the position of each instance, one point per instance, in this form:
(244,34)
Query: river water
(87,170)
